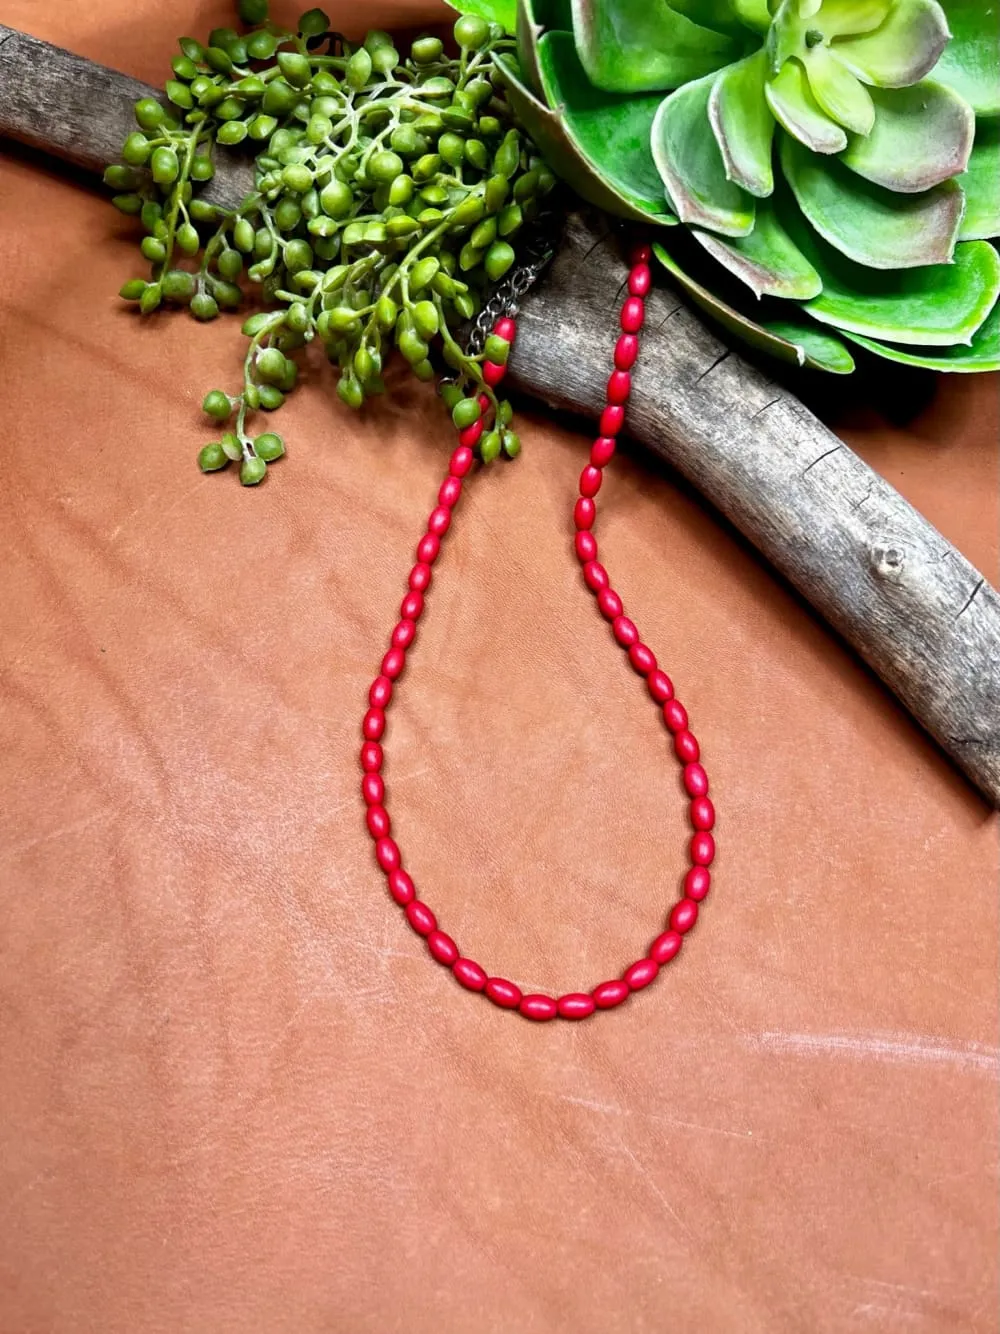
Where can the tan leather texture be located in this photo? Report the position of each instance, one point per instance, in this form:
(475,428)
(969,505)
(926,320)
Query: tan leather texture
(236,1095)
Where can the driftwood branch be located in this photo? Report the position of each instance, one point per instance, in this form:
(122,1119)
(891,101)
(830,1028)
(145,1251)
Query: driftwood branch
(910,604)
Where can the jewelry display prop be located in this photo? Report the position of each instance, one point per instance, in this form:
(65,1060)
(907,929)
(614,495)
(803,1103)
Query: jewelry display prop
(922,617)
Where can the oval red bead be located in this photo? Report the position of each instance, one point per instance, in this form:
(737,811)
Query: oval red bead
(404,634)
(469,973)
(610,603)
(412,606)
(596,576)
(371,757)
(626,352)
(586,545)
(439,521)
(612,419)
(660,686)
(624,631)
(393,663)
(470,436)
(666,947)
(602,451)
(373,725)
(505,328)
(642,658)
(421,919)
(686,746)
(695,780)
(377,819)
(703,848)
(675,715)
(609,994)
(373,790)
(450,491)
(584,512)
(461,461)
(684,916)
(697,883)
(380,692)
(702,813)
(428,549)
(642,972)
(401,887)
(387,854)
(640,280)
(538,1008)
(619,387)
(420,577)
(493,373)
(633,314)
(590,480)
(442,948)
(503,993)
(642,253)
(576,1005)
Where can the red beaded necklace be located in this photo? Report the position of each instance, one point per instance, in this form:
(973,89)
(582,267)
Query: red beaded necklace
(666,946)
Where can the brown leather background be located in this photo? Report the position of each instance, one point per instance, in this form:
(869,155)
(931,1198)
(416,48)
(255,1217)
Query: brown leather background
(235,1094)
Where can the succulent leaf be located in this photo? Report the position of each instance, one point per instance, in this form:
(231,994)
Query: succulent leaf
(690,163)
(743,124)
(837,91)
(797,111)
(981,183)
(922,136)
(982,354)
(970,63)
(820,350)
(848,18)
(533,18)
(871,225)
(902,50)
(768,260)
(632,46)
(753,14)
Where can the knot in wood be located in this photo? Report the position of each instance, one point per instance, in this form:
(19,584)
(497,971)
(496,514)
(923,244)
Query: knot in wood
(888,562)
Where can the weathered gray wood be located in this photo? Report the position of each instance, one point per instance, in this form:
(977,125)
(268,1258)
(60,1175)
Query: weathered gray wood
(923,618)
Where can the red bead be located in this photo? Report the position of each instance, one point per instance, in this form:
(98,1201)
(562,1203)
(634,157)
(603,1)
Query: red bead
(666,947)
(596,576)
(576,1005)
(675,715)
(610,603)
(612,419)
(686,746)
(702,813)
(443,949)
(697,883)
(624,631)
(695,780)
(642,659)
(380,693)
(471,435)
(493,373)
(590,480)
(421,918)
(640,280)
(703,848)
(403,635)
(377,819)
(584,512)
(393,663)
(505,328)
(602,451)
(450,491)
(633,314)
(412,606)
(373,725)
(401,887)
(439,521)
(371,757)
(642,253)
(483,401)
(660,686)
(619,387)
(503,993)
(684,916)
(373,790)
(642,972)
(538,1008)
(586,546)
(420,577)
(610,994)
(387,854)
(469,973)
(428,549)
(626,351)
(461,461)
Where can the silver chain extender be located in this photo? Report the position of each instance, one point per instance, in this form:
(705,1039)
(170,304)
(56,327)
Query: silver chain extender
(504,299)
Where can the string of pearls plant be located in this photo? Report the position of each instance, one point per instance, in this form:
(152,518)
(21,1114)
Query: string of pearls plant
(389,192)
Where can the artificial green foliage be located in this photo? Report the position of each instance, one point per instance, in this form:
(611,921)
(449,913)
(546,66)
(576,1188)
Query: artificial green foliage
(839,154)
(389,193)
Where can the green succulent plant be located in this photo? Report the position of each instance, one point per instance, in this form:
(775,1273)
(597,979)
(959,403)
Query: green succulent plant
(840,158)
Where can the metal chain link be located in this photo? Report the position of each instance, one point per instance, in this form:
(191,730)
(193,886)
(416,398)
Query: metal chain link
(538,251)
